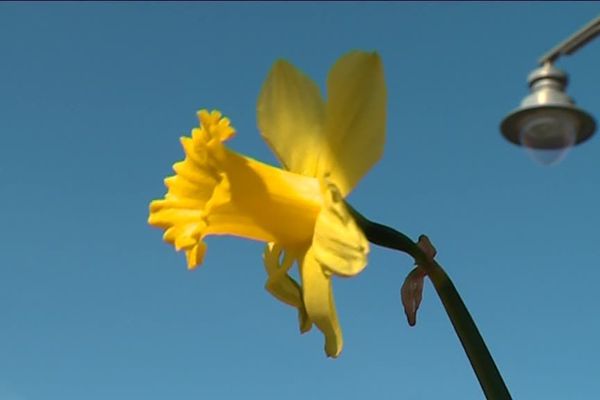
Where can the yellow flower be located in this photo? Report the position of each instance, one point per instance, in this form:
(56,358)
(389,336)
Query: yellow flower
(325,148)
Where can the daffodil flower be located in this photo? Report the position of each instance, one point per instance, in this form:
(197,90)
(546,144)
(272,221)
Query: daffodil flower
(325,148)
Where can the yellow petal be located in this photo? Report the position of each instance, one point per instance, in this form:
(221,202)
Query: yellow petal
(195,256)
(345,137)
(282,286)
(279,283)
(291,114)
(319,303)
(339,245)
(356,118)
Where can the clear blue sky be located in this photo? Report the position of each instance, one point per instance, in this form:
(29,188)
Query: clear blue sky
(94,305)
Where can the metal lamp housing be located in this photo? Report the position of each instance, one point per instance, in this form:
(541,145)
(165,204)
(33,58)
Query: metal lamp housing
(547,118)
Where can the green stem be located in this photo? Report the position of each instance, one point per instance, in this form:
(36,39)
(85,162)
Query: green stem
(479,356)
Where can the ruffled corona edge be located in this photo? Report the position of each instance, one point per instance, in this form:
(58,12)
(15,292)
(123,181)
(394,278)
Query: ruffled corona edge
(183,211)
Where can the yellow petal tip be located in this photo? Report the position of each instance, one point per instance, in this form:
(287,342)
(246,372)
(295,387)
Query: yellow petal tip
(195,256)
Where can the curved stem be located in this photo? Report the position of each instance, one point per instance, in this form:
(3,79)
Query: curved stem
(479,356)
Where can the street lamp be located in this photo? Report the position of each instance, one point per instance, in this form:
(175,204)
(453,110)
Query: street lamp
(548,123)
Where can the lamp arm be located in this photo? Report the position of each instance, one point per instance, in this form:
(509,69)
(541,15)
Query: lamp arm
(573,43)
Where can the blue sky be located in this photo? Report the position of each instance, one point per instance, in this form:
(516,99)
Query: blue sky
(94,305)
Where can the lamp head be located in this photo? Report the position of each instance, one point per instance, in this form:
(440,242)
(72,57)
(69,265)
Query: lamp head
(547,122)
